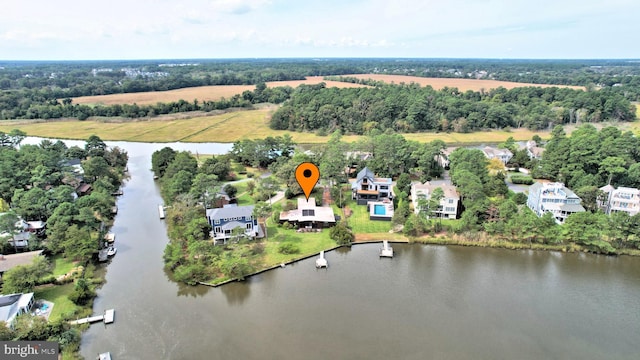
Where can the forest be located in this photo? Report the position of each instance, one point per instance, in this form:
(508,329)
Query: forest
(411,108)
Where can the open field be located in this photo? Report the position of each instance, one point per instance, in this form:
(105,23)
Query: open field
(202,93)
(237,125)
(461,84)
(216,92)
(58,295)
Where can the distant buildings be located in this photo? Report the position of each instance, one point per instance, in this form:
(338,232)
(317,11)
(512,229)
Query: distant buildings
(554,198)
(621,199)
(503,155)
(367,188)
(449,204)
(533,150)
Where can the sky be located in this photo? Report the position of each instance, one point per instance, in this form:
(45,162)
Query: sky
(191,29)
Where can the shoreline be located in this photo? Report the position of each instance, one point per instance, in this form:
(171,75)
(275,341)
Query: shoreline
(442,241)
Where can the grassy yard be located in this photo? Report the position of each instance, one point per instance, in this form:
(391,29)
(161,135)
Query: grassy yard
(360,223)
(308,243)
(61,266)
(59,296)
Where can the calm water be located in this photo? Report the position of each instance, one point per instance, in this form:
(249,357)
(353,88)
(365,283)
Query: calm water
(428,302)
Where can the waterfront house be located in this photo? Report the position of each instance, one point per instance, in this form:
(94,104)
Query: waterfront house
(13,305)
(449,204)
(308,215)
(503,155)
(367,188)
(224,220)
(554,198)
(621,199)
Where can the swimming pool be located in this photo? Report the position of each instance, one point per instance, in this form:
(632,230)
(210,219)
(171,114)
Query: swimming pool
(379,209)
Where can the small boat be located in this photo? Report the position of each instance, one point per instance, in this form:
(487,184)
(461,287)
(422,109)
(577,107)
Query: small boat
(386,250)
(321,262)
(104,356)
(111,251)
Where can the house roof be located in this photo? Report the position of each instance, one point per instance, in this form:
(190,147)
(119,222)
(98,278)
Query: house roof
(491,151)
(84,188)
(314,213)
(365,173)
(230,211)
(11,304)
(450,191)
(10,261)
(607,188)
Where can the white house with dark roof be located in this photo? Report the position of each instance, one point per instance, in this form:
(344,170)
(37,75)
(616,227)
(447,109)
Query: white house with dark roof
(554,198)
(308,215)
(621,199)
(13,305)
(229,217)
(503,155)
(449,204)
(367,187)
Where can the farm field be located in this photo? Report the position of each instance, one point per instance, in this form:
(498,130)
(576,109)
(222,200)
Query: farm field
(461,84)
(217,92)
(202,93)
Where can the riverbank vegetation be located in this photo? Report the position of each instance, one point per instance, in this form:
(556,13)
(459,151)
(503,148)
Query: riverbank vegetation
(70,189)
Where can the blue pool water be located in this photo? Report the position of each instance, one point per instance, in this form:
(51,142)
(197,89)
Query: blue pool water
(379,210)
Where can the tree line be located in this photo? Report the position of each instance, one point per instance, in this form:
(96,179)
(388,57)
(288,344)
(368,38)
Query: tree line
(411,108)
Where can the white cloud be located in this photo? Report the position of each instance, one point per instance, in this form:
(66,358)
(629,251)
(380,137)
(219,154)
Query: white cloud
(237,6)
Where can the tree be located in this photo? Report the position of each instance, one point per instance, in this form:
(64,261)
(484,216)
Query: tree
(23,278)
(161,159)
(404,183)
(94,168)
(612,166)
(342,234)
(95,146)
(261,211)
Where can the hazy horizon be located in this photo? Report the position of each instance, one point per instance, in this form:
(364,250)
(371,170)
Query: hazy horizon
(247,29)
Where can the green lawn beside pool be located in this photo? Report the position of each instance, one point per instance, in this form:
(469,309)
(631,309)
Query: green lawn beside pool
(59,296)
(360,223)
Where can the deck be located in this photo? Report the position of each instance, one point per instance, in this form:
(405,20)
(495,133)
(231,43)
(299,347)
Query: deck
(161,211)
(107,318)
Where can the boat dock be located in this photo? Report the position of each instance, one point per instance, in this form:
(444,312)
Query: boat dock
(321,262)
(107,318)
(386,250)
(104,356)
(161,211)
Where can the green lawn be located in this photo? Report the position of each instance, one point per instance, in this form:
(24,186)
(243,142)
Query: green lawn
(61,266)
(309,243)
(58,295)
(360,223)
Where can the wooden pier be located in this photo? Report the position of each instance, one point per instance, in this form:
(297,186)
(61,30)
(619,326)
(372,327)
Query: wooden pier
(386,250)
(321,262)
(161,211)
(107,318)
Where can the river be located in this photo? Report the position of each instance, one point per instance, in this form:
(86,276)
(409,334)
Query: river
(428,302)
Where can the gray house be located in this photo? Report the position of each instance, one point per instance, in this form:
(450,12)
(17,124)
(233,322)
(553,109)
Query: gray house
(367,187)
(554,198)
(224,220)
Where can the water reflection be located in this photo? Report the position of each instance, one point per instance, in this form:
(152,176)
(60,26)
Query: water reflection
(237,293)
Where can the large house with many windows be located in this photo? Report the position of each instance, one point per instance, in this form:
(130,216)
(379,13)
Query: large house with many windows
(367,187)
(503,155)
(554,198)
(224,220)
(621,199)
(449,204)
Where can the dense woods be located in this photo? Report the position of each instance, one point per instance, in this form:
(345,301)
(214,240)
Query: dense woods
(411,108)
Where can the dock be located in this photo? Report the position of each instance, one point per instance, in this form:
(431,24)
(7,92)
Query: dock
(118,192)
(386,250)
(110,237)
(104,356)
(107,318)
(161,211)
(321,262)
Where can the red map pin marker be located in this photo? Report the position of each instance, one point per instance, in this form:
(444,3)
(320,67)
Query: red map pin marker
(307,175)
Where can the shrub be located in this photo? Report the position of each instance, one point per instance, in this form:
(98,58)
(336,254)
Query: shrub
(288,248)
(521,179)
